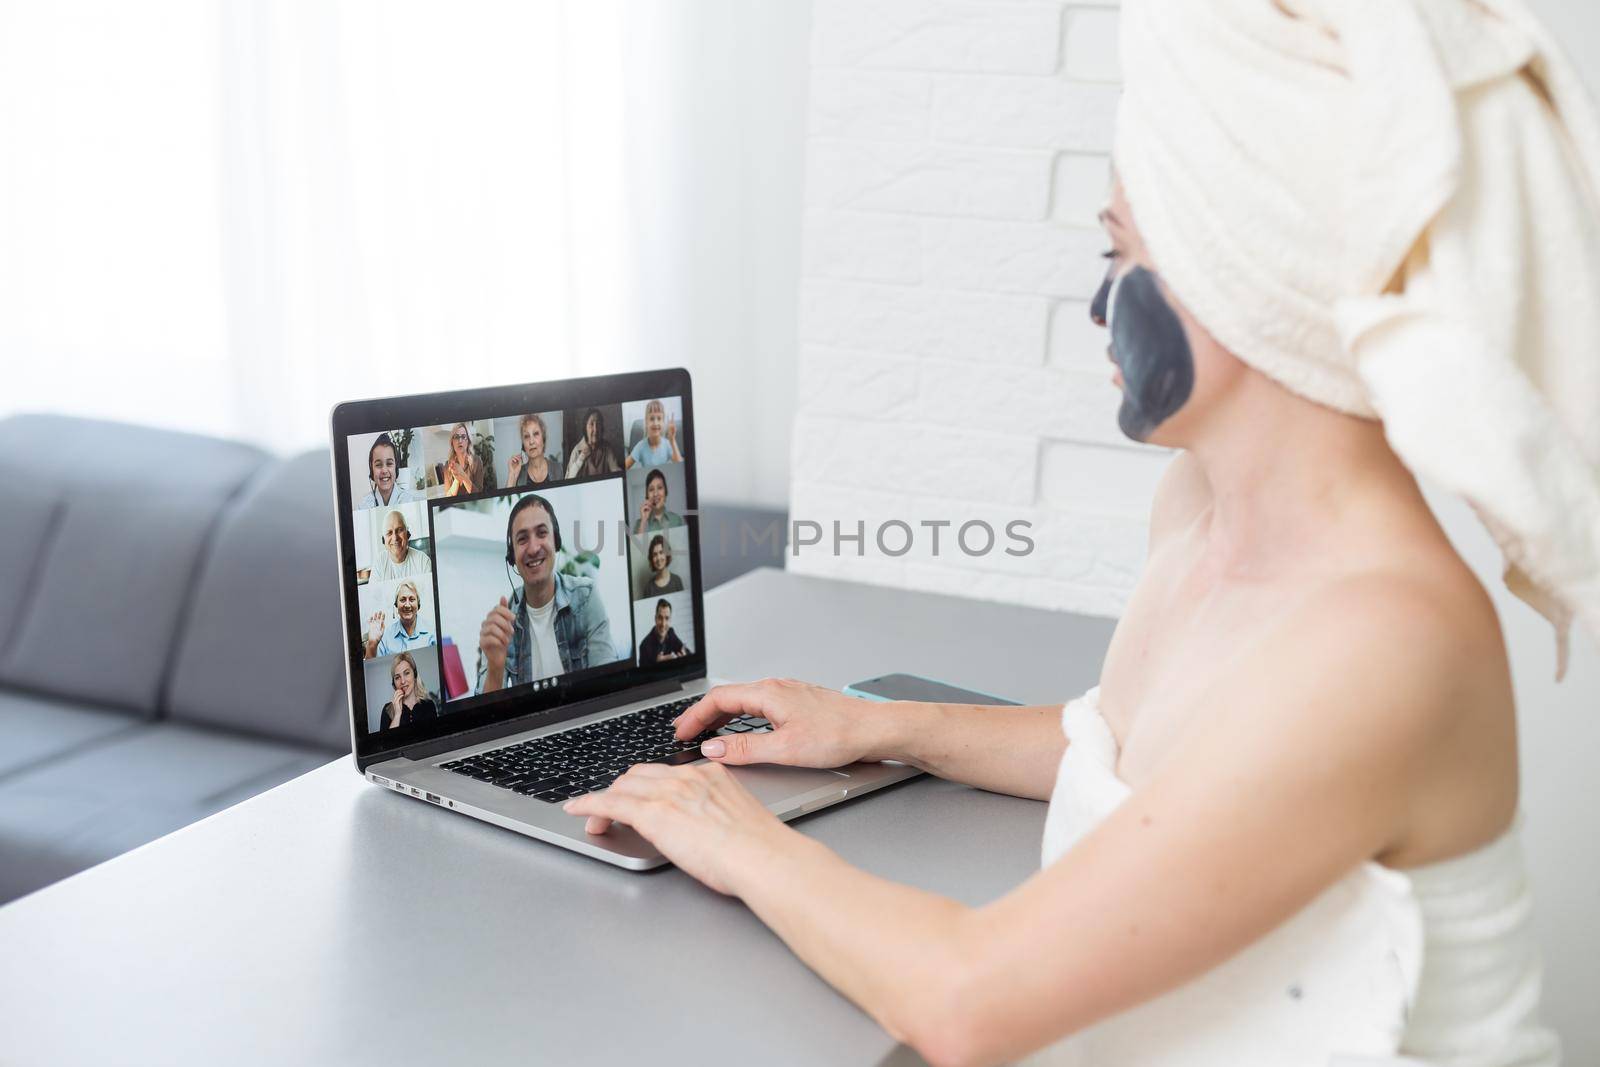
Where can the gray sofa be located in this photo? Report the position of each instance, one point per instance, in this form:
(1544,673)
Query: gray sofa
(172,640)
(170,644)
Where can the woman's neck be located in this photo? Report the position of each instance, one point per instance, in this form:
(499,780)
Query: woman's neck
(1291,480)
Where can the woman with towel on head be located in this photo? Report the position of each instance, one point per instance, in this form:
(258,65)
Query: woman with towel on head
(1353,242)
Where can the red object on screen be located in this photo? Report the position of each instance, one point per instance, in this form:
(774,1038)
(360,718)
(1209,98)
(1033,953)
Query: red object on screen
(455,677)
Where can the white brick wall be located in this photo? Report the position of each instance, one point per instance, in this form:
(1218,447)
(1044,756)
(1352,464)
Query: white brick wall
(956,158)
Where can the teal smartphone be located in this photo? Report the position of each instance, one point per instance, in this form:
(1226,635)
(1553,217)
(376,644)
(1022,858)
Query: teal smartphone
(916,687)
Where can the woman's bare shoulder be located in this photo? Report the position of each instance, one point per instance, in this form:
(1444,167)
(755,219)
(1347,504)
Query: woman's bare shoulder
(1410,673)
(1426,595)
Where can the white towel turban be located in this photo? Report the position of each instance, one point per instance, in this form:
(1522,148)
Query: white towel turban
(1392,207)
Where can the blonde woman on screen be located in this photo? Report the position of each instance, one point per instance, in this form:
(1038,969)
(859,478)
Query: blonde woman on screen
(410,703)
(462,471)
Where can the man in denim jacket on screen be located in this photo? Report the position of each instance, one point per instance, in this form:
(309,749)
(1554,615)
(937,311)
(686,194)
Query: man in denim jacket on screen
(554,623)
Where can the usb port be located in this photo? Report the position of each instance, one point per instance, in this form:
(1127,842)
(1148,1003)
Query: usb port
(433,798)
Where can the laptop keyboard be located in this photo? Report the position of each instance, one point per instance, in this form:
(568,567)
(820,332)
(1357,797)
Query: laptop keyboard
(558,767)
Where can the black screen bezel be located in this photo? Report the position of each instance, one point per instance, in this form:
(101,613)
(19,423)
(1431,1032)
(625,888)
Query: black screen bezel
(515,705)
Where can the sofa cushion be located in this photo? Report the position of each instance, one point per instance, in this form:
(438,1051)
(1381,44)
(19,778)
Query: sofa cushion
(107,598)
(34,729)
(86,807)
(261,649)
(28,521)
(103,551)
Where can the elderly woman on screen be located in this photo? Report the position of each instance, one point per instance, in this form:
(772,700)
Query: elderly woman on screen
(1283,828)
(532,466)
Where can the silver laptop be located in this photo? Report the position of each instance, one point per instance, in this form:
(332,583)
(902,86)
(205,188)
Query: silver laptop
(522,603)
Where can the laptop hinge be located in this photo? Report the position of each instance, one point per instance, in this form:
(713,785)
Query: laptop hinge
(548,717)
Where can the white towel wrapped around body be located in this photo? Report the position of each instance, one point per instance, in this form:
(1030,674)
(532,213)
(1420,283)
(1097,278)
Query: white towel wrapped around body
(1392,207)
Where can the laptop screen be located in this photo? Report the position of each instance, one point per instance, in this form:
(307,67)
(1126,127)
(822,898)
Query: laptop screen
(507,552)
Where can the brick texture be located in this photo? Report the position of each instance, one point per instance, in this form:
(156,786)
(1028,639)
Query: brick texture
(957,424)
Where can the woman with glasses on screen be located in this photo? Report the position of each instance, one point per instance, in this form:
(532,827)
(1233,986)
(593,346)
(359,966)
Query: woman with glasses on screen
(462,471)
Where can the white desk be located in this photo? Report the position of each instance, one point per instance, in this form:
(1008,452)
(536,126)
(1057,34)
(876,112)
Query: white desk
(329,921)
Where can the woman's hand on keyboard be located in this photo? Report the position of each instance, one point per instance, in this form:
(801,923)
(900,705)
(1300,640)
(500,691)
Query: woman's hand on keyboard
(811,726)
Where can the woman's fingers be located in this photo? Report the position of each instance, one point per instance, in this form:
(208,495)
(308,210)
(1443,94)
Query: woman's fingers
(717,707)
(641,784)
(648,770)
(740,749)
(606,807)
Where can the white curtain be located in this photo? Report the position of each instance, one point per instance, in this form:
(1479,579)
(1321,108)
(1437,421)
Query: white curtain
(227,215)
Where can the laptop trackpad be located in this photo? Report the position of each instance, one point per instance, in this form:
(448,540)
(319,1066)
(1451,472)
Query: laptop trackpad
(774,785)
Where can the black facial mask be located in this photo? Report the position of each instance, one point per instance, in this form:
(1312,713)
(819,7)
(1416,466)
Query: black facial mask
(1150,348)
(1102,298)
